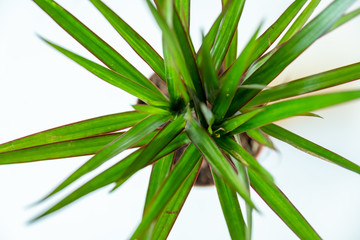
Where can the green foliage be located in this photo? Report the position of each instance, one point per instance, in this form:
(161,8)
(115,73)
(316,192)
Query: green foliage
(212,96)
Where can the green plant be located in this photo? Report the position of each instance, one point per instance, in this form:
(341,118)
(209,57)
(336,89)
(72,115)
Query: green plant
(207,108)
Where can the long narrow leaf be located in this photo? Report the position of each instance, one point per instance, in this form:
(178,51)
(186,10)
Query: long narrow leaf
(234,122)
(86,128)
(232,79)
(189,162)
(211,35)
(308,84)
(141,47)
(344,19)
(189,54)
(159,172)
(215,157)
(230,56)
(279,203)
(289,51)
(300,21)
(65,149)
(208,73)
(135,134)
(231,209)
(244,176)
(183,8)
(257,135)
(110,176)
(227,31)
(160,141)
(111,77)
(150,109)
(94,44)
(167,218)
(281,110)
(309,147)
(240,154)
(174,46)
(274,31)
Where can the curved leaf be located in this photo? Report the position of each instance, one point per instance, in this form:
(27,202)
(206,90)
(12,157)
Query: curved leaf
(172,43)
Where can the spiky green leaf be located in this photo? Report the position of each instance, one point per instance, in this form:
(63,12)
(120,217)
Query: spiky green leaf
(215,157)
(274,31)
(111,77)
(309,147)
(235,122)
(281,205)
(241,155)
(207,70)
(135,134)
(344,19)
(157,144)
(168,216)
(232,79)
(260,137)
(308,84)
(300,20)
(172,43)
(77,130)
(111,175)
(281,110)
(150,109)
(227,31)
(93,43)
(159,172)
(183,9)
(290,51)
(231,208)
(141,47)
(190,161)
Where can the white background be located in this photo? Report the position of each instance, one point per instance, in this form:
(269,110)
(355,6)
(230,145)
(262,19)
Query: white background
(40,89)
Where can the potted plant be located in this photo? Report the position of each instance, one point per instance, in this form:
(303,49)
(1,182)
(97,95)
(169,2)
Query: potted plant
(212,95)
